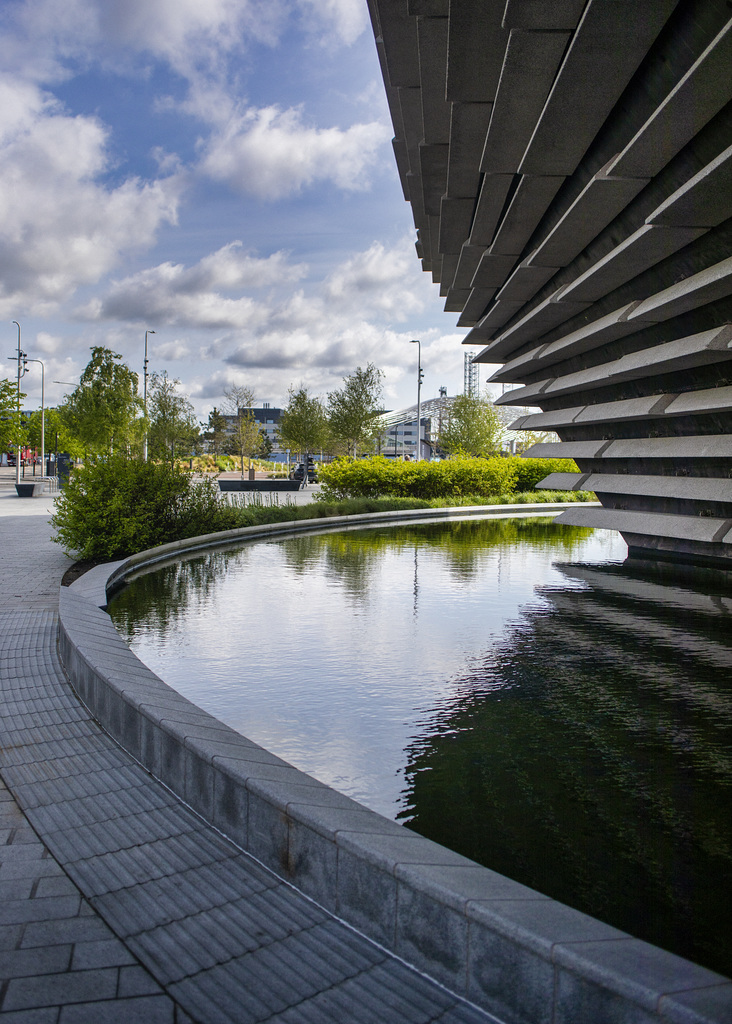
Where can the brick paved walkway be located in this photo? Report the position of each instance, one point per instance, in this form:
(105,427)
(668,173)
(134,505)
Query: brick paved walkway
(118,904)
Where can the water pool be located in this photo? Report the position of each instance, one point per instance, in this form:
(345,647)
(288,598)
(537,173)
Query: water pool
(509,688)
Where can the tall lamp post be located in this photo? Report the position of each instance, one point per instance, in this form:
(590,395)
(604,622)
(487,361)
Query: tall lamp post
(144,394)
(43,414)
(419,397)
(22,370)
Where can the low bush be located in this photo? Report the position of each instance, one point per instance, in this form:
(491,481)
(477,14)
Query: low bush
(113,508)
(530,471)
(450,478)
(378,476)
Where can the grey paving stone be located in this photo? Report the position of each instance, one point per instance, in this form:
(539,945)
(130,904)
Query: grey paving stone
(108,952)
(464,1013)
(22,834)
(58,885)
(59,989)
(147,1010)
(136,981)
(10,936)
(18,888)
(28,869)
(22,853)
(374,997)
(74,929)
(48,909)
(22,963)
(42,1015)
(225,932)
(99,875)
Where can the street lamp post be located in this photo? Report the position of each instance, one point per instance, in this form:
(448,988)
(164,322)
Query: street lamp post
(43,414)
(21,373)
(144,395)
(419,397)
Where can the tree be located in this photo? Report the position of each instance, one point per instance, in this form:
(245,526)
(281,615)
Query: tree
(9,425)
(303,425)
(173,429)
(354,409)
(58,437)
(246,439)
(216,434)
(103,412)
(472,427)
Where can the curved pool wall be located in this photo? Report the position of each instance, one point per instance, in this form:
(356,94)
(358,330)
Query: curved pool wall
(511,950)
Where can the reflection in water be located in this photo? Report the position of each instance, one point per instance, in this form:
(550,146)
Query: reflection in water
(567,724)
(589,756)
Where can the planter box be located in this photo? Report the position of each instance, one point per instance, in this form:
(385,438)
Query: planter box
(259,485)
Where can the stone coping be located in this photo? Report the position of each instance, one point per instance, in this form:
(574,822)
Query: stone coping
(511,950)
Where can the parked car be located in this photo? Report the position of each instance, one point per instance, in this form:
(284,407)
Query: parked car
(299,472)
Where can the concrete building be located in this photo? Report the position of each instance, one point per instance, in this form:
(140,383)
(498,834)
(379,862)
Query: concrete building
(268,418)
(569,169)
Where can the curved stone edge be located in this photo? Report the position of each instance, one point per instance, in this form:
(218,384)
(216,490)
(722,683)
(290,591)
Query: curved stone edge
(507,948)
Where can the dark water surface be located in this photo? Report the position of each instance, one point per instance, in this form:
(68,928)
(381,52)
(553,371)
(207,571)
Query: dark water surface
(510,688)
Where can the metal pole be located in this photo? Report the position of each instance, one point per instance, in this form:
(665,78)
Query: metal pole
(43,413)
(419,397)
(21,366)
(144,396)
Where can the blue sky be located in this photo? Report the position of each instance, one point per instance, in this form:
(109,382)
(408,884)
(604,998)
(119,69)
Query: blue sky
(220,172)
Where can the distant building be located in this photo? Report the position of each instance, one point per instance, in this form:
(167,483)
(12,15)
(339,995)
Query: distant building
(401,436)
(268,418)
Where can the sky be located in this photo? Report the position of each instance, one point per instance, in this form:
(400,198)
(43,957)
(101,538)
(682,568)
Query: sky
(219,172)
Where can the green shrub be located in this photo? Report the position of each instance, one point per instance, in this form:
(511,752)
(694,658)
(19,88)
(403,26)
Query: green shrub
(117,507)
(530,471)
(113,508)
(377,476)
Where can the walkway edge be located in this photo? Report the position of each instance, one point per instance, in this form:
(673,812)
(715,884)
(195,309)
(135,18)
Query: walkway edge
(507,948)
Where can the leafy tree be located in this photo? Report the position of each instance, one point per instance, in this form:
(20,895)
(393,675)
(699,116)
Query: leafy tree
(173,429)
(10,428)
(303,425)
(103,412)
(354,409)
(216,434)
(58,436)
(472,427)
(265,449)
(246,439)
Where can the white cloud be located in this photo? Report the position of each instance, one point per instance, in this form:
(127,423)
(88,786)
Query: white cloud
(176,349)
(322,323)
(377,277)
(337,20)
(59,226)
(171,293)
(187,34)
(272,153)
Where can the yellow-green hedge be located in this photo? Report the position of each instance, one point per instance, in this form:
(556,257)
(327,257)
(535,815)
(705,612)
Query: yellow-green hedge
(370,478)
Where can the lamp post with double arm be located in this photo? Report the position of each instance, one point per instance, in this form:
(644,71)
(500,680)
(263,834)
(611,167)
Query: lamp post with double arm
(43,414)
(22,370)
